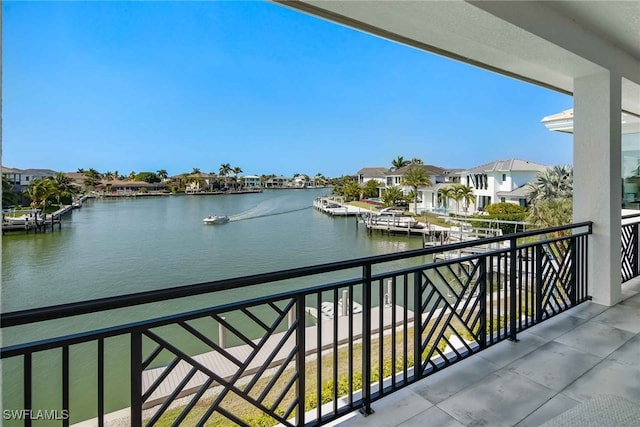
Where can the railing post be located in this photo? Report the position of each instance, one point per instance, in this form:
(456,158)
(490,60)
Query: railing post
(417,326)
(366,341)
(222,334)
(513,265)
(482,278)
(300,358)
(136,378)
(636,250)
(538,274)
(573,281)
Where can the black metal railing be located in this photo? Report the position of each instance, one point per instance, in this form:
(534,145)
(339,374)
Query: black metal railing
(307,356)
(630,266)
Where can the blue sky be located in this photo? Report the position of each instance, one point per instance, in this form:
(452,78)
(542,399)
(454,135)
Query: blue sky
(148,85)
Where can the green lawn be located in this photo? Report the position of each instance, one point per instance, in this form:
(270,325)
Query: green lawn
(363,205)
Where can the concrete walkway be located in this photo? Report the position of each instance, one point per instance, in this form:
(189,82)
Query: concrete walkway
(589,351)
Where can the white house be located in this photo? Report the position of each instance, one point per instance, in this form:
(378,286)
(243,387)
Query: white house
(200,182)
(299,181)
(427,196)
(500,181)
(277,182)
(22,178)
(378,174)
(252,181)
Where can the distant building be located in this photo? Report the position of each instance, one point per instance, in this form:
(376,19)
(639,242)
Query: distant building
(501,181)
(378,174)
(125,188)
(22,178)
(277,182)
(252,181)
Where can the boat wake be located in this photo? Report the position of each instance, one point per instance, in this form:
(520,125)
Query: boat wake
(267,208)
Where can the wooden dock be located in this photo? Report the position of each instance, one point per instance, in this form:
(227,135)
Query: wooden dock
(226,369)
(36,226)
(49,221)
(335,206)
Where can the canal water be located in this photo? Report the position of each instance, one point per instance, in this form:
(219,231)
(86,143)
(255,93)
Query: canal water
(121,246)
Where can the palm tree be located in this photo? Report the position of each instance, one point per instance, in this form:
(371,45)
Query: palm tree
(8,196)
(39,191)
(391,196)
(211,178)
(464,193)
(416,177)
(195,171)
(399,162)
(236,170)
(132,175)
(108,175)
(551,213)
(416,161)
(443,195)
(225,170)
(62,186)
(184,180)
(456,195)
(162,174)
(371,188)
(552,183)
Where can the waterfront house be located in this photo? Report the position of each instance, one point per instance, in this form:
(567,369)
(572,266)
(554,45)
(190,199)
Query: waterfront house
(428,195)
(199,182)
(299,181)
(251,181)
(277,182)
(378,174)
(579,359)
(500,181)
(22,178)
(117,187)
(76,178)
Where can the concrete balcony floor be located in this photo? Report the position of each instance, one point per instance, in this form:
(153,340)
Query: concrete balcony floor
(589,351)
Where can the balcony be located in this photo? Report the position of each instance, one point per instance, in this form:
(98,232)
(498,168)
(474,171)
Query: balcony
(581,366)
(506,330)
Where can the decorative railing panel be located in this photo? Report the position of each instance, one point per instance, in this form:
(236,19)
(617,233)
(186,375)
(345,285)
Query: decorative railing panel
(630,263)
(301,356)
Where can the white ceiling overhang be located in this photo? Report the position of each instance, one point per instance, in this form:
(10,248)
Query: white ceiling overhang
(546,43)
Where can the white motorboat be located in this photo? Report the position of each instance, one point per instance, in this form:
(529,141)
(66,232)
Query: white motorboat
(393,219)
(24,219)
(216,219)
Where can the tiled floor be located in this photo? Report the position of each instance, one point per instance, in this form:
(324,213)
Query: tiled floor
(588,351)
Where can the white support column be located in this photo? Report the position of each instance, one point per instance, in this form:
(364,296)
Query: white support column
(597,193)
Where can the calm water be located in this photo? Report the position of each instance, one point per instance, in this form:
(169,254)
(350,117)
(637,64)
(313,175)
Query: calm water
(112,247)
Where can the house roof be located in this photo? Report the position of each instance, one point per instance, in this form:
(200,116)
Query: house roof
(429,169)
(42,172)
(373,172)
(75,175)
(10,170)
(521,192)
(505,166)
